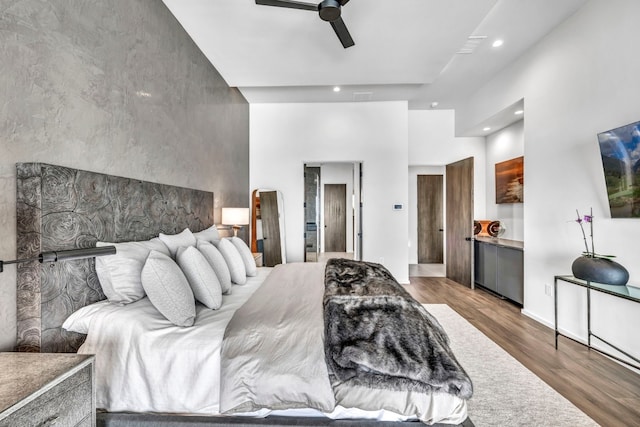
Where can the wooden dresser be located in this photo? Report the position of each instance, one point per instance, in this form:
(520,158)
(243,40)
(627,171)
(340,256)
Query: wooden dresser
(47,389)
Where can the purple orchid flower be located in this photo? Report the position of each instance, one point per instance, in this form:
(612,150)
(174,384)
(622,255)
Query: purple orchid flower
(588,219)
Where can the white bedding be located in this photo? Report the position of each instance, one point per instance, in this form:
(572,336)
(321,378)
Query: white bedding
(133,361)
(275,358)
(137,371)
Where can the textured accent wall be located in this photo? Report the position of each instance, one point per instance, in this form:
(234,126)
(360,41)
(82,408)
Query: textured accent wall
(115,87)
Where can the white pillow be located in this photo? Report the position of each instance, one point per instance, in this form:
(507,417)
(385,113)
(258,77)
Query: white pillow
(210,235)
(247,256)
(168,289)
(119,274)
(81,318)
(234,261)
(202,279)
(174,241)
(217,262)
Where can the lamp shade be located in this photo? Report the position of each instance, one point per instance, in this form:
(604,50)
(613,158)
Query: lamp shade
(235,216)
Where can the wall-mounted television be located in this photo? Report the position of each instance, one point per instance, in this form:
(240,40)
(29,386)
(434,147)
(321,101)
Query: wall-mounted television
(620,150)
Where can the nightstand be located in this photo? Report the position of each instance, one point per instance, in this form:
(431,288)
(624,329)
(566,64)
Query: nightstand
(47,389)
(257,256)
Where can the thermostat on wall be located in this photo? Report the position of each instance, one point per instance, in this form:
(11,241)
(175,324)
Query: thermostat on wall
(397,207)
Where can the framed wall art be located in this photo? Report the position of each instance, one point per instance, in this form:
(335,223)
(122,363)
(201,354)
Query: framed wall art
(510,181)
(620,150)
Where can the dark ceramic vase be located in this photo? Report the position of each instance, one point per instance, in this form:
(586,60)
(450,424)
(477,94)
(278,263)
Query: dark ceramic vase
(601,270)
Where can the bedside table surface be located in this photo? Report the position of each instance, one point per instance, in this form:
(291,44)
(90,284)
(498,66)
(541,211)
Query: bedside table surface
(24,374)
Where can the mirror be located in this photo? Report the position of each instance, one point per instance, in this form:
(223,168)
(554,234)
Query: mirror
(267,226)
(332,210)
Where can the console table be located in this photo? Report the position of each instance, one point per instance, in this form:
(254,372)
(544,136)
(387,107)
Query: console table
(624,292)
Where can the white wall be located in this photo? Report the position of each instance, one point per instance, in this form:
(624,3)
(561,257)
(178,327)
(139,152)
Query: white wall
(502,145)
(338,173)
(432,145)
(285,136)
(432,142)
(583,78)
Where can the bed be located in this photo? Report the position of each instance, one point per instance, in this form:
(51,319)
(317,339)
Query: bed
(62,208)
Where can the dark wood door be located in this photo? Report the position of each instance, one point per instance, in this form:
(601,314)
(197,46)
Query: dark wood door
(430,227)
(272,251)
(459,222)
(335,217)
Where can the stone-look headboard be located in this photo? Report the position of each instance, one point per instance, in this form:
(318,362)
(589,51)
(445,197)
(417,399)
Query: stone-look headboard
(60,208)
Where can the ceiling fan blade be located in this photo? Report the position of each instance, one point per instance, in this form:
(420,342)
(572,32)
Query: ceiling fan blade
(288,4)
(343,34)
(343,2)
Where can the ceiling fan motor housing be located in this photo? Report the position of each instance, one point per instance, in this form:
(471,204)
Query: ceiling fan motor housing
(329,10)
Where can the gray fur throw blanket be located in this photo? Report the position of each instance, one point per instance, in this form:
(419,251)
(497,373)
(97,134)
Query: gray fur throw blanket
(378,336)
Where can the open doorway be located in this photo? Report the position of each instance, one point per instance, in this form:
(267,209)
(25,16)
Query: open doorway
(447,216)
(333,210)
(426,221)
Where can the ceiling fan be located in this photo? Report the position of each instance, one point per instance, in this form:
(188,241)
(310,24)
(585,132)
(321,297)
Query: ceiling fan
(329,10)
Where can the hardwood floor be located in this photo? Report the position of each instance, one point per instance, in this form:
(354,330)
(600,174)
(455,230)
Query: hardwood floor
(606,391)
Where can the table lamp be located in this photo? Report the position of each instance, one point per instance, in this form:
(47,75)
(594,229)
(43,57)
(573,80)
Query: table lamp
(235,217)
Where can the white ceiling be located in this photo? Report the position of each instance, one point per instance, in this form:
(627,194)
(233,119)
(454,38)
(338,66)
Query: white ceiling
(405,49)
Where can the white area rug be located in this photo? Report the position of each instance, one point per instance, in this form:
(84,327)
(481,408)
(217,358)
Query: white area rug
(505,393)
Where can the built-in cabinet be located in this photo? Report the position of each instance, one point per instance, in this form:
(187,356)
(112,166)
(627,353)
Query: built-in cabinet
(499,267)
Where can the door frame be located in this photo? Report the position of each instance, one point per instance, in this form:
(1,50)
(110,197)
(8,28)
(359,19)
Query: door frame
(357,209)
(459,257)
(431,228)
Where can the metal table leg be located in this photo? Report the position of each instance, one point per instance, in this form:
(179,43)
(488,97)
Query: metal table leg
(555,307)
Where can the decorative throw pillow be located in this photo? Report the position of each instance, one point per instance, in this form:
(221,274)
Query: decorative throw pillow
(217,262)
(234,261)
(247,256)
(210,235)
(119,274)
(201,277)
(168,289)
(174,241)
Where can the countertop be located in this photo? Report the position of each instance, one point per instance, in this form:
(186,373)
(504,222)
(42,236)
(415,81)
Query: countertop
(513,244)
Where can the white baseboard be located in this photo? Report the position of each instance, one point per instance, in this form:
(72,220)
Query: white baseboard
(537,318)
(551,326)
(595,343)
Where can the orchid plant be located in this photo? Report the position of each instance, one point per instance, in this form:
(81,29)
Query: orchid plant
(591,253)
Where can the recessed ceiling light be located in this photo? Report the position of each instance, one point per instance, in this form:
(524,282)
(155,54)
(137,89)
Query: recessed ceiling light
(336,89)
(519,112)
(487,129)
(497,43)
(434,104)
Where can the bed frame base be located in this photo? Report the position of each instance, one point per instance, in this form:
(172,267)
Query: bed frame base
(121,419)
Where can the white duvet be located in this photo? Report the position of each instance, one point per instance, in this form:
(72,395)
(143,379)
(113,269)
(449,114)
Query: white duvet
(146,364)
(274,358)
(138,368)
